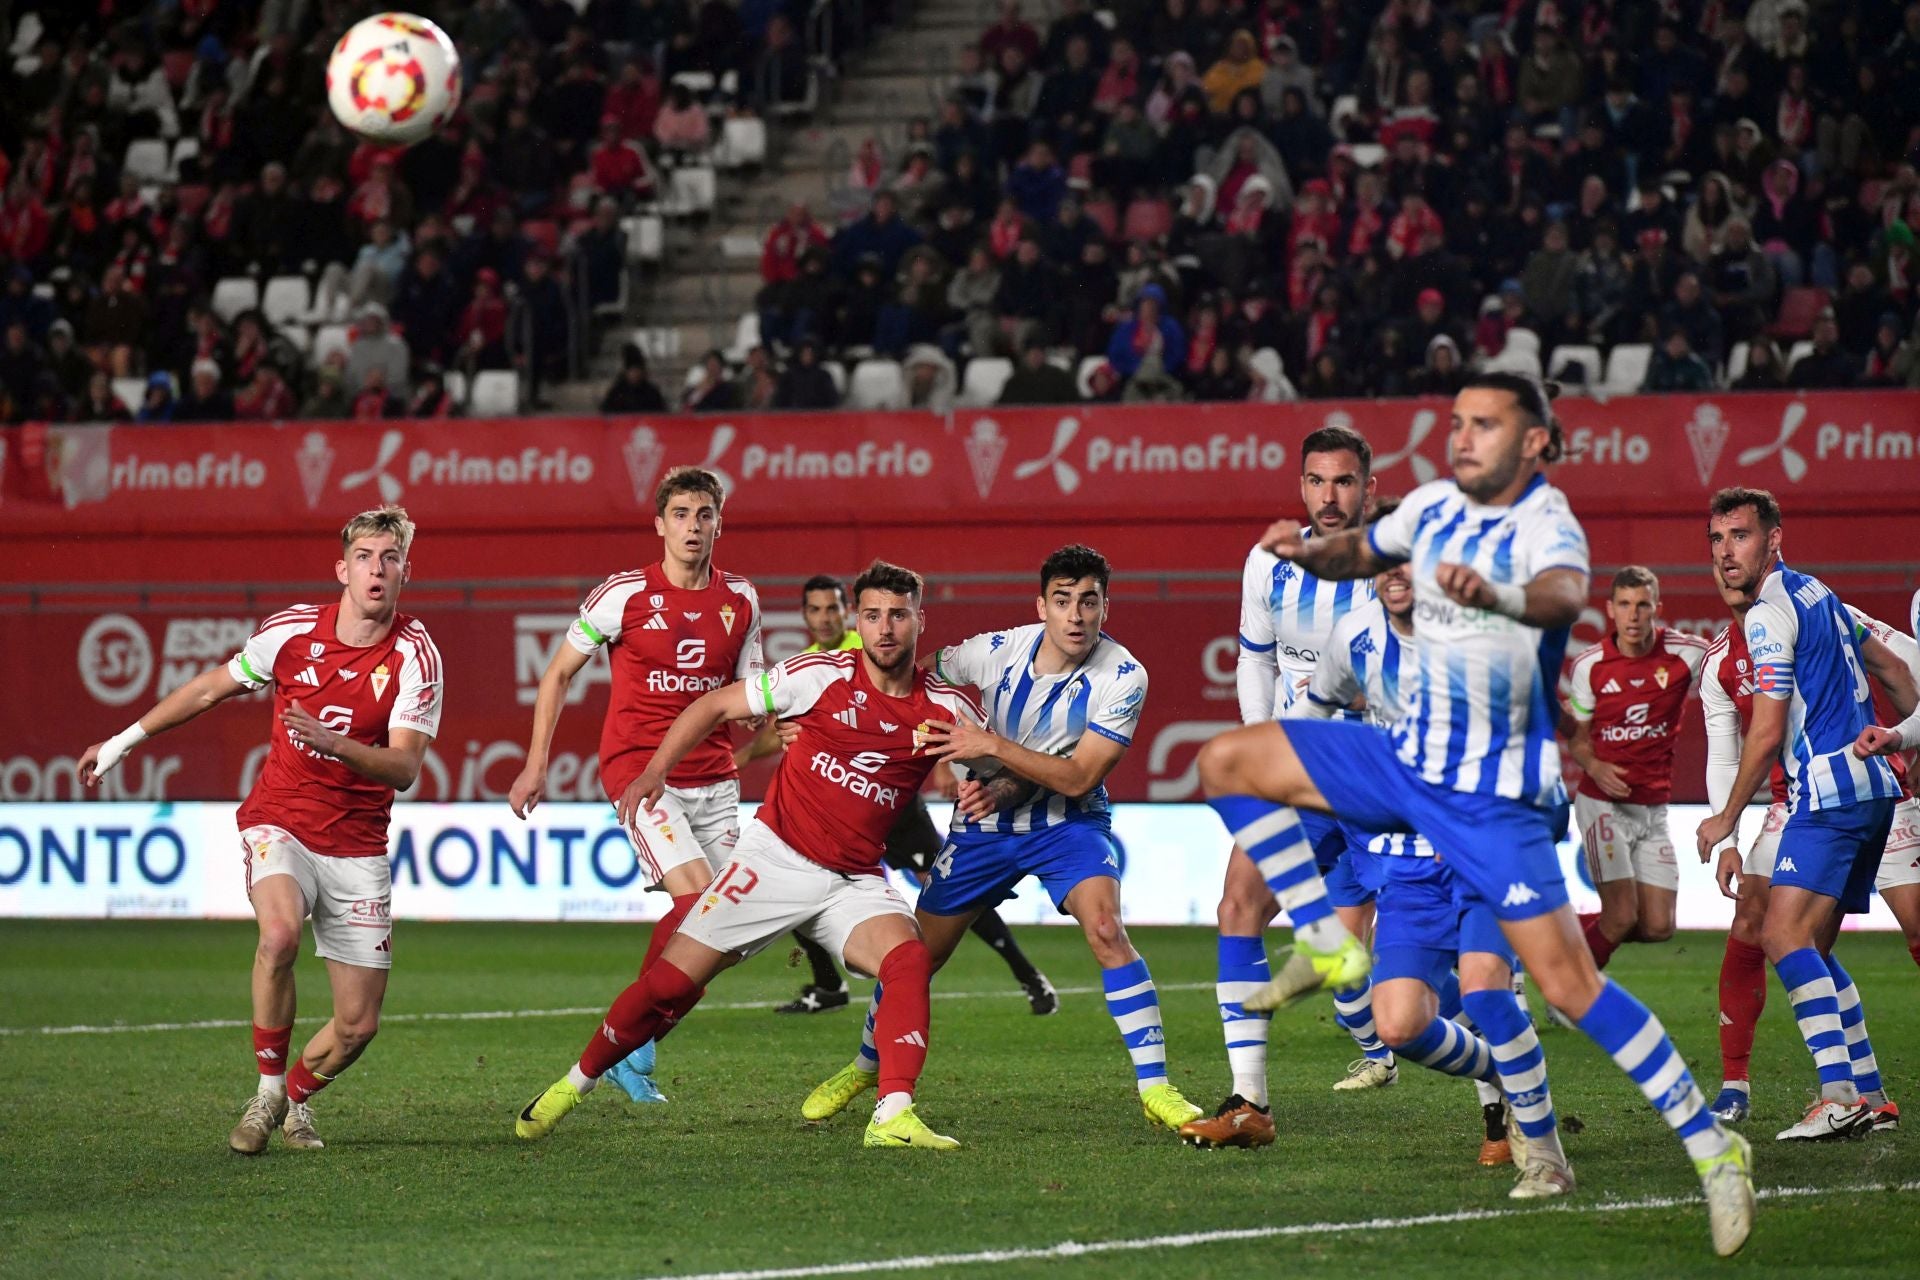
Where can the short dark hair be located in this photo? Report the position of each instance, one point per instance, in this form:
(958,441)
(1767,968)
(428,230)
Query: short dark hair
(881,576)
(1337,440)
(1634,575)
(1073,563)
(1730,500)
(823,582)
(688,480)
(1382,508)
(1535,399)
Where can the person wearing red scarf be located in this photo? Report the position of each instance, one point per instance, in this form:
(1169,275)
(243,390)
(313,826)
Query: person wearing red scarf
(1415,221)
(789,239)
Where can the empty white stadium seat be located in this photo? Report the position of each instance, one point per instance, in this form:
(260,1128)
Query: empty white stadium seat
(743,142)
(1083,377)
(838,372)
(147,159)
(746,336)
(1587,358)
(496,393)
(1737,361)
(183,150)
(298,336)
(645,237)
(660,342)
(286,299)
(985,377)
(877,384)
(1800,348)
(1627,368)
(235,294)
(456,384)
(690,191)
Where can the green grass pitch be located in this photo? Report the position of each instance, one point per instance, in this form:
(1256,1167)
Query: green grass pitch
(113,1157)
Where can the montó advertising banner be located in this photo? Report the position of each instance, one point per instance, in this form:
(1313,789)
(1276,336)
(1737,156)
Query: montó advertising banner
(84,674)
(987,465)
(570,862)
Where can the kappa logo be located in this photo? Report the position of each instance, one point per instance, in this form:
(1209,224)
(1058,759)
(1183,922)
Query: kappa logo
(1785,864)
(316,649)
(994,642)
(889,728)
(1611,686)
(1790,460)
(1065,474)
(655,623)
(848,718)
(1126,668)
(377,474)
(309,676)
(1519,894)
(1676,1096)
(1283,573)
(1154,1036)
(985,446)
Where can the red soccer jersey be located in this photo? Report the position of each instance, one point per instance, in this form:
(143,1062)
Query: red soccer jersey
(363,693)
(667,646)
(854,766)
(1634,705)
(1727,678)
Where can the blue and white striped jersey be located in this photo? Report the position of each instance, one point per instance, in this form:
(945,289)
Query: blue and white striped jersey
(1366,658)
(1286,615)
(1805,649)
(1105,694)
(1482,719)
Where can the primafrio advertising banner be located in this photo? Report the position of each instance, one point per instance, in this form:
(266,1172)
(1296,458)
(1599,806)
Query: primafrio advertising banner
(571,862)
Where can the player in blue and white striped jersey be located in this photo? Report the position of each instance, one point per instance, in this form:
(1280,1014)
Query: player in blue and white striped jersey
(1285,617)
(1812,708)
(1500,573)
(1425,924)
(1063,700)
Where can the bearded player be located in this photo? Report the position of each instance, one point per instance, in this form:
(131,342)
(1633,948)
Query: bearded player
(356,699)
(811,858)
(674,631)
(1626,698)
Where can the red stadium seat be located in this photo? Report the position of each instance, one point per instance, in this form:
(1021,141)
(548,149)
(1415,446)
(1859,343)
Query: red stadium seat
(1101,212)
(1147,220)
(1798,310)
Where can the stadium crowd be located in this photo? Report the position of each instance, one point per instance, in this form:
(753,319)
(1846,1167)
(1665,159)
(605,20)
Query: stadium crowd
(150,151)
(1268,198)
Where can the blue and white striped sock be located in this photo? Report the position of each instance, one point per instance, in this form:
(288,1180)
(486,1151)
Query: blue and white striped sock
(1518,1060)
(1629,1032)
(1816,1007)
(1135,1007)
(868,1059)
(1353,1009)
(1272,836)
(1449,1048)
(1243,969)
(1853,1024)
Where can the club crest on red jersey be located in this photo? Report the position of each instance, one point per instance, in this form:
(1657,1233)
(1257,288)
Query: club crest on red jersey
(380,677)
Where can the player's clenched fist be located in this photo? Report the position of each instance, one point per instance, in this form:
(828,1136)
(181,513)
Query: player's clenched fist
(1876,740)
(1464,585)
(528,790)
(1283,538)
(641,795)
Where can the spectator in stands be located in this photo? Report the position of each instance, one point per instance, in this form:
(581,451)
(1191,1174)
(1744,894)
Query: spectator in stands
(1828,367)
(547,328)
(1765,371)
(1016,95)
(430,398)
(1326,379)
(22,363)
(619,165)
(381,198)
(1547,284)
(375,399)
(1784,223)
(633,99)
(376,346)
(1859,307)
(1010,32)
(1037,184)
(971,293)
(378,264)
(99,403)
(1675,367)
(931,379)
(206,400)
(266,398)
(157,406)
(71,369)
(329,401)
(1881,356)
(632,389)
(1029,294)
(806,383)
(1149,339)
(1443,373)
(710,391)
(525,160)
(1222,378)
(482,336)
(1690,310)
(1037,380)
(681,126)
(426,305)
(881,232)
(781,74)
(1906,361)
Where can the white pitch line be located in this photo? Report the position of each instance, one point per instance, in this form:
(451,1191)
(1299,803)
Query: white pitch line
(1069,1249)
(495,1015)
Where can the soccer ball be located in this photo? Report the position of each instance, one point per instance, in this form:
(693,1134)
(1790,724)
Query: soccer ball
(394,78)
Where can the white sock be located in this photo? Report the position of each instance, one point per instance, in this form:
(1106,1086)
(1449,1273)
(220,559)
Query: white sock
(890,1106)
(1324,934)
(1738,1086)
(582,1083)
(274,1087)
(1489,1093)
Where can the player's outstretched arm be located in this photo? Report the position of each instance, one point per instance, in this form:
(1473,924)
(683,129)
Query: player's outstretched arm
(530,787)
(395,765)
(1339,557)
(690,728)
(1072,775)
(202,693)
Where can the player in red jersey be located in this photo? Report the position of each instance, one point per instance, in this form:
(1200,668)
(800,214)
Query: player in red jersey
(673,631)
(356,699)
(1625,702)
(1740,564)
(811,858)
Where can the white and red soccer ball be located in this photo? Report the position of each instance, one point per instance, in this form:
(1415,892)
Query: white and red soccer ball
(394,78)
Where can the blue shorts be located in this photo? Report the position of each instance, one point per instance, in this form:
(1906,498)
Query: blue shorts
(1501,850)
(979,869)
(1835,852)
(1354,880)
(1425,923)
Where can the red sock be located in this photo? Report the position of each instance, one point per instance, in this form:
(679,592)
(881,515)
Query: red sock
(303,1081)
(900,1028)
(665,928)
(270,1049)
(1599,943)
(1913,949)
(1743,994)
(642,1012)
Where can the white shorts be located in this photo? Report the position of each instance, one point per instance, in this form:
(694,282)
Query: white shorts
(690,824)
(350,899)
(767,891)
(1626,842)
(1899,865)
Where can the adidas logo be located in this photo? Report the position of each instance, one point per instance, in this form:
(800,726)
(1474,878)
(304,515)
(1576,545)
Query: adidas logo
(1519,894)
(1725,1021)
(1785,864)
(847,718)
(913,1038)
(606,1029)
(1611,686)
(309,676)
(386,944)
(889,728)
(266,1055)
(655,623)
